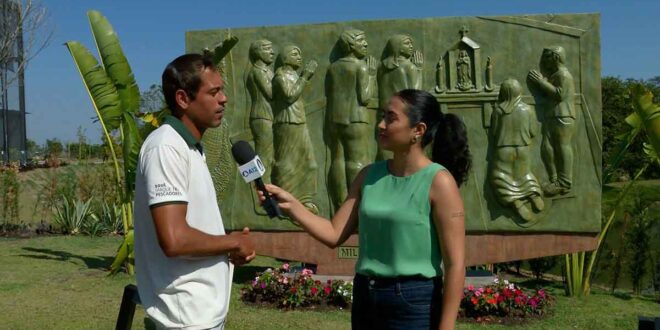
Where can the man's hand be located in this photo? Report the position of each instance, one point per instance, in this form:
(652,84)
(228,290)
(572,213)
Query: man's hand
(245,252)
(535,76)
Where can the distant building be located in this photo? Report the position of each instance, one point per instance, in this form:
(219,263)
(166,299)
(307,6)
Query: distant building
(13,139)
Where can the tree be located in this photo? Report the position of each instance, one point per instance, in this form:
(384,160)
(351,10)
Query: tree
(33,149)
(25,31)
(638,245)
(152,100)
(54,148)
(82,143)
(152,109)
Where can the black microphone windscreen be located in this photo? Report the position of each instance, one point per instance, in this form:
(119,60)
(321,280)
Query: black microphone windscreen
(242,152)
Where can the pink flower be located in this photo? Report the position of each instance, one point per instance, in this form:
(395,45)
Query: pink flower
(285,280)
(533,302)
(306,271)
(286,266)
(470,287)
(477,293)
(481,290)
(314,290)
(541,293)
(263,285)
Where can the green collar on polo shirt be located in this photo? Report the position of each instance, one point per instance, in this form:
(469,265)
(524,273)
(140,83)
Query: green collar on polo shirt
(185,133)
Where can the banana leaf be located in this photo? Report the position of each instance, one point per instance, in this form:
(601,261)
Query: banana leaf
(123,252)
(114,61)
(649,113)
(100,88)
(131,143)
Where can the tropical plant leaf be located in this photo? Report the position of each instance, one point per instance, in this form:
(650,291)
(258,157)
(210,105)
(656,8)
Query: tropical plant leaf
(131,143)
(634,120)
(114,61)
(122,252)
(100,88)
(649,112)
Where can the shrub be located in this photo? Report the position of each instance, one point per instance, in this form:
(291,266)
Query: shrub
(71,215)
(274,287)
(503,299)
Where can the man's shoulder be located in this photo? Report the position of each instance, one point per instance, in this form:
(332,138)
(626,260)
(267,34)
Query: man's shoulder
(164,135)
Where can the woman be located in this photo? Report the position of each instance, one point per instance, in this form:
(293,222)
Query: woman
(514,126)
(295,167)
(410,218)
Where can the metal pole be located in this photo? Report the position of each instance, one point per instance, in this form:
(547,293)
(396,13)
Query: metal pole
(21,89)
(3,89)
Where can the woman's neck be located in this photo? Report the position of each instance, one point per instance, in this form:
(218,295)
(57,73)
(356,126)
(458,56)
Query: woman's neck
(409,161)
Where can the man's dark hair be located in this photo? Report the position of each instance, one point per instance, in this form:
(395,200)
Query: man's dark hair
(184,73)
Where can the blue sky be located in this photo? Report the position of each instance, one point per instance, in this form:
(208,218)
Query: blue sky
(152,34)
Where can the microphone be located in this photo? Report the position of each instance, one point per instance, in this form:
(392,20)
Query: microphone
(251,169)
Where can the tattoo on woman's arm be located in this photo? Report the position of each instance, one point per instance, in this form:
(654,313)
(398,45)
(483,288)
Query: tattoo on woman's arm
(458,214)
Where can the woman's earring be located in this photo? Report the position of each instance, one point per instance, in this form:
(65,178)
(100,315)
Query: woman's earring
(415,138)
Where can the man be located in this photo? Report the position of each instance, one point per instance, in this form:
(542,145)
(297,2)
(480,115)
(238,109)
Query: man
(182,255)
(557,89)
(259,85)
(350,82)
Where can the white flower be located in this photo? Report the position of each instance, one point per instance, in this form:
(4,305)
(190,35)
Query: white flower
(496,280)
(512,287)
(506,282)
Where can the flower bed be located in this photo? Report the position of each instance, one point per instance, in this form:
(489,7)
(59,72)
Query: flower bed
(274,287)
(502,299)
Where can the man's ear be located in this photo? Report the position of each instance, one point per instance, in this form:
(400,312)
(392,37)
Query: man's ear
(182,99)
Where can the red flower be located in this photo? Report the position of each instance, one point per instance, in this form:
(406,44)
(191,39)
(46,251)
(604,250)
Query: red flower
(314,290)
(474,300)
(492,301)
(488,290)
(507,293)
(293,289)
(327,290)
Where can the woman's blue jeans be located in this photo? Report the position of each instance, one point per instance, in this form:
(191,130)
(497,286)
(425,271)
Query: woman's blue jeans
(396,303)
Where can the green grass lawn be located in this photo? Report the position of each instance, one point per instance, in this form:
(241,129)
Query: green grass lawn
(60,282)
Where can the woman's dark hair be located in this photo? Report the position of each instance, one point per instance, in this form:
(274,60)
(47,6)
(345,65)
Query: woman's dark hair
(184,73)
(446,131)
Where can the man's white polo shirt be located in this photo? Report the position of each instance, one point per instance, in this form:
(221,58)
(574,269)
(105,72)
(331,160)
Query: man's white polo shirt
(180,293)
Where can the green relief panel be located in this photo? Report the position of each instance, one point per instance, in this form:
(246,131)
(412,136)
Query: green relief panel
(527,87)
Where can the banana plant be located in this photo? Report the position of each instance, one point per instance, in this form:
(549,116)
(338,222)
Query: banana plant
(645,117)
(116,99)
